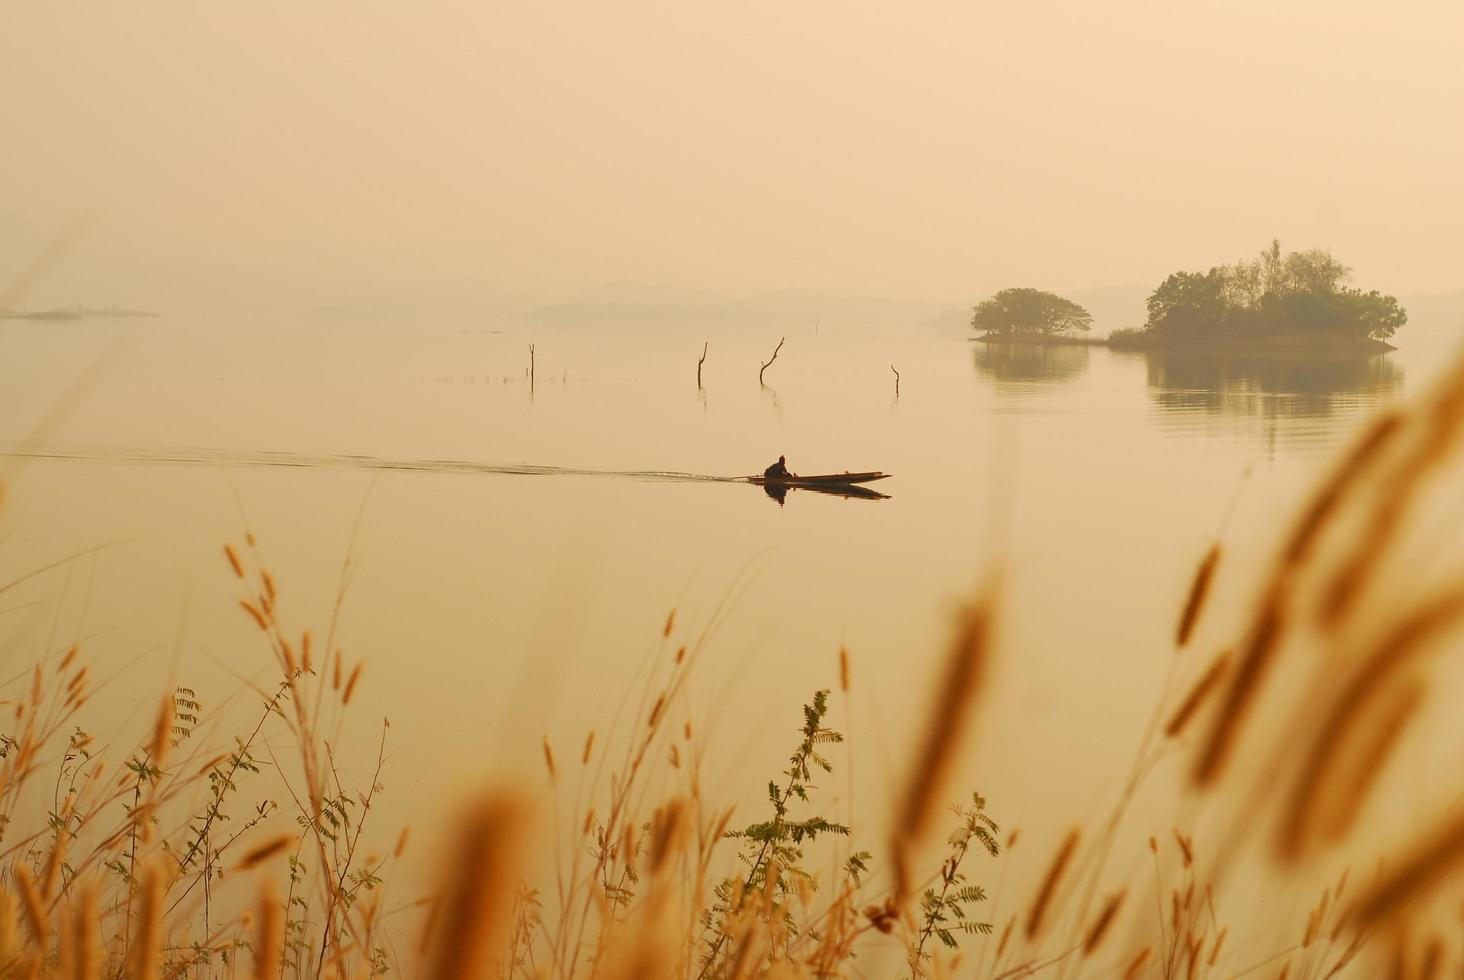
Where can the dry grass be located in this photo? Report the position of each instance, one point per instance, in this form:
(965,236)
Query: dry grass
(128,877)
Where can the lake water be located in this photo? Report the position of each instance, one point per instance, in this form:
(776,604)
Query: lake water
(492,608)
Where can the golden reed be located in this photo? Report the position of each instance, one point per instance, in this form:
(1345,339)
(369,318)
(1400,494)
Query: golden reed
(1198,694)
(147,939)
(945,732)
(1428,863)
(351,683)
(1136,965)
(269,939)
(1442,418)
(234,562)
(478,899)
(1396,651)
(1195,602)
(31,904)
(1328,498)
(1374,756)
(1244,687)
(81,950)
(263,852)
(1037,913)
(1103,922)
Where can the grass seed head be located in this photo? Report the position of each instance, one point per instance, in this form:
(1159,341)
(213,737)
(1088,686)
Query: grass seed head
(256,614)
(1195,602)
(1136,965)
(162,730)
(269,937)
(1219,942)
(351,683)
(1186,849)
(945,732)
(1103,922)
(147,940)
(1198,695)
(1042,903)
(261,853)
(479,891)
(31,904)
(1244,687)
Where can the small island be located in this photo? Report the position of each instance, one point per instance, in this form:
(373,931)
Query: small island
(1021,315)
(1293,303)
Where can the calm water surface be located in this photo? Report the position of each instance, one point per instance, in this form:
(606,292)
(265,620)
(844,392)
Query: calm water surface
(491,608)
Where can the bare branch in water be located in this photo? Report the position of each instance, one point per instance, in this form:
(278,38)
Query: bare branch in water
(771,359)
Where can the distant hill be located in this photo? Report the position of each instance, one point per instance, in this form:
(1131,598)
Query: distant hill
(639,301)
(617,301)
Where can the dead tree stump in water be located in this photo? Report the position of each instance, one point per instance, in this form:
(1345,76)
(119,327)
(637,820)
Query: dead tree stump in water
(897,381)
(771,359)
(699,363)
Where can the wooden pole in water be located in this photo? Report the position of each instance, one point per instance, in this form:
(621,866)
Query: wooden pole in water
(897,381)
(531,367)
(699,363)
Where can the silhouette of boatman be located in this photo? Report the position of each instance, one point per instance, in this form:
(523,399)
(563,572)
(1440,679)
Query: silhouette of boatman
(778,469)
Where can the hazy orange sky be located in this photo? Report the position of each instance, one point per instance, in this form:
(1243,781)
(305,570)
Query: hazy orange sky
(924,152)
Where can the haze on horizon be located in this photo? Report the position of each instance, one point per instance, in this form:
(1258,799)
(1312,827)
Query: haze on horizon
(280,155)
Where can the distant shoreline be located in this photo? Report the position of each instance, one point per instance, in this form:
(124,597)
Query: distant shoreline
(1291,344)
(1044,339)
(76,313)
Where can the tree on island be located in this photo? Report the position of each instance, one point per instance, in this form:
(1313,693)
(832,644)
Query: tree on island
(1298,294)
(1029,311)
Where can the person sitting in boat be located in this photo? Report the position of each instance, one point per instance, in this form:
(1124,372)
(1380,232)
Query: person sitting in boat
(778,470)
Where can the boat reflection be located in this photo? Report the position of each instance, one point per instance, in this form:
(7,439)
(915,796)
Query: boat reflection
(780,491)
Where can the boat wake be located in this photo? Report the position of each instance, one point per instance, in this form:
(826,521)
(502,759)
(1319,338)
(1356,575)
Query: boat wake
(222,457)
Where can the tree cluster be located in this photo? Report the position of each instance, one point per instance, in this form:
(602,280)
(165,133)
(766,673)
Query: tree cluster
(1029,311)
(1299,293)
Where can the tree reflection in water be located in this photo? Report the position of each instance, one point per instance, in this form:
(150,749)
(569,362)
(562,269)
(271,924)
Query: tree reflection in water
(1026,364)
(1279,384)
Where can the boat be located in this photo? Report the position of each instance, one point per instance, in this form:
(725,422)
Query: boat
(819,480)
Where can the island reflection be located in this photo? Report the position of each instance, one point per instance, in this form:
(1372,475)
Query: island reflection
(1268,384)
(1026,364)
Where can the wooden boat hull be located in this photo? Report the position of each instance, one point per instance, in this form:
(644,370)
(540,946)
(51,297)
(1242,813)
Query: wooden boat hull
(819,480)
